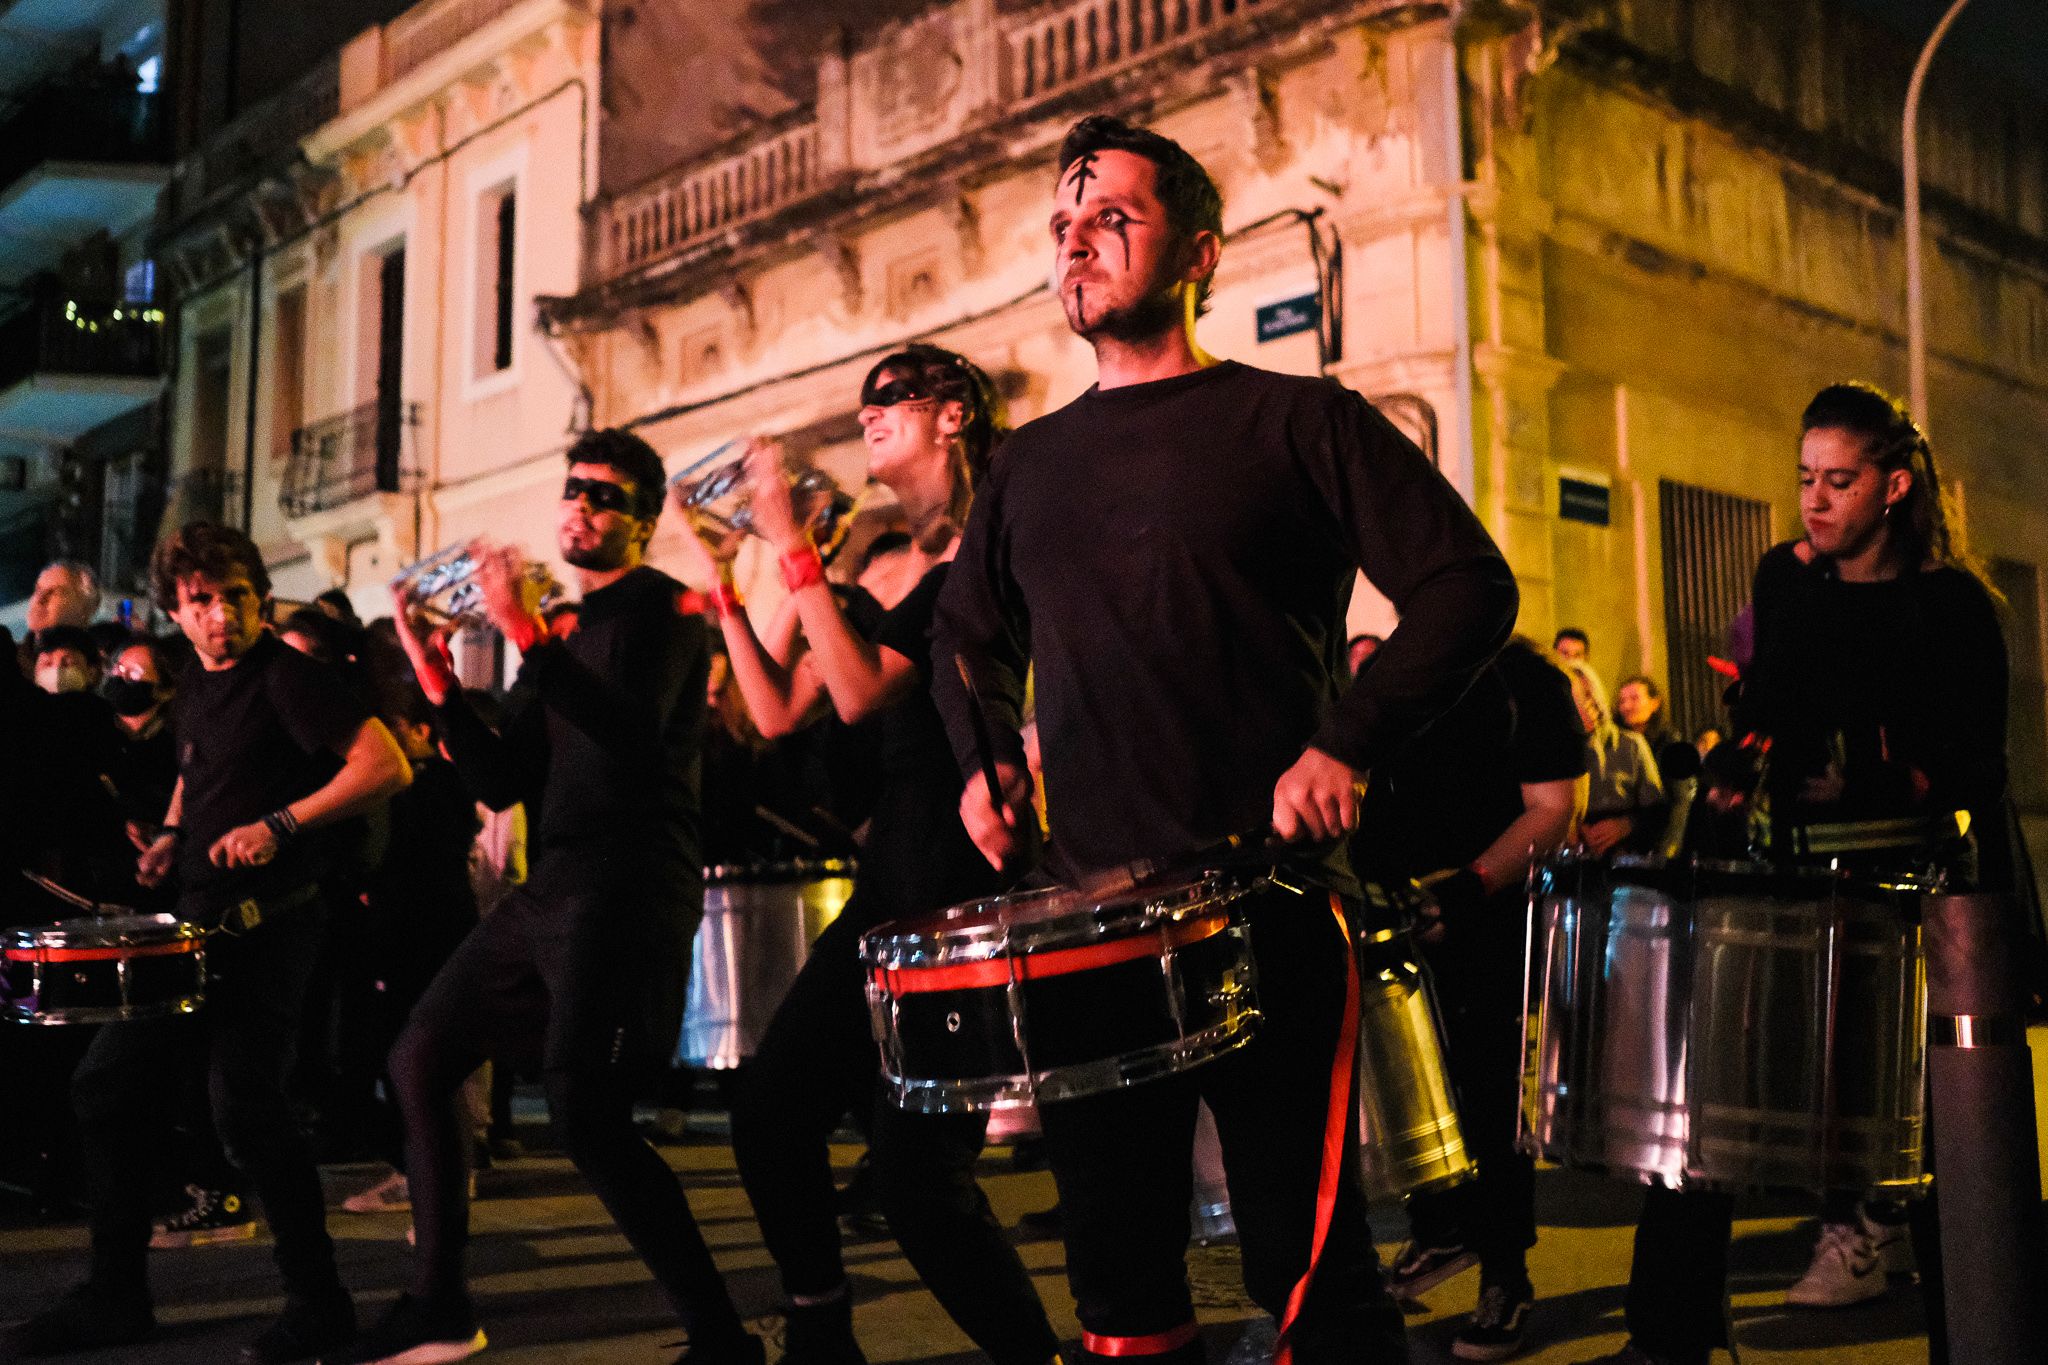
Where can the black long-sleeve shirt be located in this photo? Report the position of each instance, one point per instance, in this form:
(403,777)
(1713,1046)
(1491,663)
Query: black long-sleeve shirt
(1175,558)
(602,741)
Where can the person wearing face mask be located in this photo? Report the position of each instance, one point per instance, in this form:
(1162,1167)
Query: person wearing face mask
(66,660)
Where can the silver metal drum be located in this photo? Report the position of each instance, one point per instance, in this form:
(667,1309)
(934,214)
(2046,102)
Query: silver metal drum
(1611,980)
(1728,1025)
(758,927)
(1809,1022)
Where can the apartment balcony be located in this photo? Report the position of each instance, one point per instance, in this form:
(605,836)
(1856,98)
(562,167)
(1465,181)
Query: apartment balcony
(342,464)
(67,367)
(74,160)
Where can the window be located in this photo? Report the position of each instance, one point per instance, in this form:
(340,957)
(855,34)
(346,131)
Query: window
(1712,542)
(2026,740)
(288,371)
(497,216)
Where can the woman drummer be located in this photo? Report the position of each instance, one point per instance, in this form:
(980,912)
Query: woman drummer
(930,421)
(1879,681)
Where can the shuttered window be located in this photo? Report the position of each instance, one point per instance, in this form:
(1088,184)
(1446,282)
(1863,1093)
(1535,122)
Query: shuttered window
(1712,542)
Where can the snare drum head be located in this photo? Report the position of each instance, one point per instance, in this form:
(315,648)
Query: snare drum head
(111,931)
(982,928)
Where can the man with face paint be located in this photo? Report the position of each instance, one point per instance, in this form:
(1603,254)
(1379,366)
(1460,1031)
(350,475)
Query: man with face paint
(582,967)
(1173,553)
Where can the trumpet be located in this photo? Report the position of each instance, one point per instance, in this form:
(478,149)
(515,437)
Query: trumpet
(722,497)
(446,588)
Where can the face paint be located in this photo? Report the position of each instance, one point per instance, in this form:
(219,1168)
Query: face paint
(1122,229)
(1082,172)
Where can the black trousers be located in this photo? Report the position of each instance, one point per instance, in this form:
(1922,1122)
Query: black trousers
(1123,1163)
(817,1062)
(129,1081)
(564,979)
(1479,997)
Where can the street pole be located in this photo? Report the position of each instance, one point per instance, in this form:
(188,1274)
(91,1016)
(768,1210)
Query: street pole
(1916,321)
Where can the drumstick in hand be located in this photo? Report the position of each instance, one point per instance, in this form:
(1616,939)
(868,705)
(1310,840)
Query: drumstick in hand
(984,747)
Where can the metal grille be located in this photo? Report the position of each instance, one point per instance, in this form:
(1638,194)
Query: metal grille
(1712,542)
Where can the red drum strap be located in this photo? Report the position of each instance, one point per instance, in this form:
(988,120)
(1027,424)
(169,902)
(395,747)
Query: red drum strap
(1334,1128)
(962,976)
(104,954)
(1157,1344)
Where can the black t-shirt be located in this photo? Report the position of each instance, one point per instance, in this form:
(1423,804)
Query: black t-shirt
(1902,683)
(419,898)
(254,737)
(1175,559)
(918,855)
(1443,797)
(602,741)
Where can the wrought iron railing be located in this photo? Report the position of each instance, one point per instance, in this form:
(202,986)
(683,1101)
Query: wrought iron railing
(349,456)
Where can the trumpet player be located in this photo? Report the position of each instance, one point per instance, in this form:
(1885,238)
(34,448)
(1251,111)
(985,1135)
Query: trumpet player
(583,967)
(930,420)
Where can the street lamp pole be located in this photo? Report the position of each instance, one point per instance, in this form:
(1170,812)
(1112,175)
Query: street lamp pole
(1916,321)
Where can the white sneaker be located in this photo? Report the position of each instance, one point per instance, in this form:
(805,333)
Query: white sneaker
(1848,1265)
(389,1195)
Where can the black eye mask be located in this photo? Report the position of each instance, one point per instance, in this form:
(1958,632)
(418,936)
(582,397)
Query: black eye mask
(601,494)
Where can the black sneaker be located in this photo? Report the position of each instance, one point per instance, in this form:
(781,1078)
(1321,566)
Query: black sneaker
(416,1332)
(1497,1326)
(1419,1269)
(85,1319)
(305,1329)
(213,1216)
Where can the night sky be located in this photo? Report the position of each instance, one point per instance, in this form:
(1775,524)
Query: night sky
(2010,36)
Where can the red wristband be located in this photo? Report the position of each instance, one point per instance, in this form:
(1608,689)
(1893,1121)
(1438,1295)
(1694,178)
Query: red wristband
(530,632)
(802,567)
(725,600)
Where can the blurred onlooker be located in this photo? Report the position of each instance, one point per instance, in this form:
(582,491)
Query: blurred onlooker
(319,635)
(1571,644)
(1707,740)
(1360,651)
(1639,706)
(334,602)
(67,593)
(1625,806)
(66,660)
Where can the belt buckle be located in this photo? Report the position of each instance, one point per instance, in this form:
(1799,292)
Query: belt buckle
(245,916)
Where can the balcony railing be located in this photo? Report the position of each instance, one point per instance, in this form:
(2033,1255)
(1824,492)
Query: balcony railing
(756,180)
(349,456)
(1049,49)
(67,337)
(96,122)
(264,137)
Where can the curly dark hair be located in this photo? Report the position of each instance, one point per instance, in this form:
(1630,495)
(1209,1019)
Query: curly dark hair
(1193,203)
(208,550)
(630,458)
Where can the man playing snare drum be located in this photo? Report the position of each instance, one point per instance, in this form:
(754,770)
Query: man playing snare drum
(260,728)
(1174,552)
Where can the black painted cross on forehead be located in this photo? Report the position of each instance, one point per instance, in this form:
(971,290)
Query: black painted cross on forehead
(1080,173)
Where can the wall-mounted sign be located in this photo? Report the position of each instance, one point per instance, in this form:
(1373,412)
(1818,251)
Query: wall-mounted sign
(1298,310)
(1580,498)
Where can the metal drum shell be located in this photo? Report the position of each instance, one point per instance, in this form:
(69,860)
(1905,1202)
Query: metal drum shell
(1007,1035)
(1409,1136)
(1681,1021)
(102,971)
(758,926)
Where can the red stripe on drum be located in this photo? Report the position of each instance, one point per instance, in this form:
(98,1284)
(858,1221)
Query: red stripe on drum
(1157,1344)
(109,954)
(983,973)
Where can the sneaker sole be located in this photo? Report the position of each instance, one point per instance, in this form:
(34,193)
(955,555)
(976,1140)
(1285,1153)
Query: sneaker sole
(1465,1351)
(1876,1291)
(203,1237)
(432,1352)
(1417,1285)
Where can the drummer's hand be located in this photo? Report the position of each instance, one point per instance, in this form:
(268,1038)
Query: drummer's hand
(156,861)
(425,646)
(245,846)
(1317,798)
(998,832)
(1601,836)
(774,511)
(1457,896)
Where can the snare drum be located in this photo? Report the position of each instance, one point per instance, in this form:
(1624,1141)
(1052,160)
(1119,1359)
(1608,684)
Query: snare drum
(1729,1025)
(758,926)
(1052,995)
(102,971)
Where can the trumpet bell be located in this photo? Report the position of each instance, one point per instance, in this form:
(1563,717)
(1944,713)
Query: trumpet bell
(723,498)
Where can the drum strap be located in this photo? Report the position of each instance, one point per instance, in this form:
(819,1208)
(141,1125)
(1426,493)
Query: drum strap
(244,916)
(1335,1128)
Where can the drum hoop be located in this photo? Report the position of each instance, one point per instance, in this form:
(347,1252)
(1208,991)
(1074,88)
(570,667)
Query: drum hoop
(104,953)
(914,944)
(979,974)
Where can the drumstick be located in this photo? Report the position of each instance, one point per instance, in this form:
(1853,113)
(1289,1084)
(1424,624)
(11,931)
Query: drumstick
(984,747)
(1115,881)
